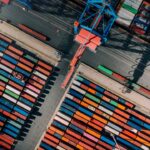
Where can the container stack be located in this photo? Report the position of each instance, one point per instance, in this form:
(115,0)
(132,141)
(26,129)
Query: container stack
(127,11)
(141,22)
(90,116)
(138,88)
(22,80)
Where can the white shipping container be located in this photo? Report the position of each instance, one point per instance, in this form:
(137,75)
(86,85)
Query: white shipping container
(66,123)
(133,5)
(24,106)
(105,110)
(1,54)
(144,147)
(9,98)
(13,89)
(63,116)
(91,108)
(78,89)
(40,75)
(111,130)
(125,14)
(31,93)
(69,96)
(124,22)
(114,126)
(60,148)
(76,83)
(5,68)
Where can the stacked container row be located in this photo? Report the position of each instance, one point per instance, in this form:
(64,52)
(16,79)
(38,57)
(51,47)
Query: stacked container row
(127,11)
(125,81)
(90,117)
(141,22)
(22,79)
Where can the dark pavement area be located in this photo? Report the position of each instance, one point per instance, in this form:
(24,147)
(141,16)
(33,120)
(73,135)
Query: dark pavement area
(54,18)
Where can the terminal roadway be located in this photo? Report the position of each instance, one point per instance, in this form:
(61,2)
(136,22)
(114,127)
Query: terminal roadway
(122,53)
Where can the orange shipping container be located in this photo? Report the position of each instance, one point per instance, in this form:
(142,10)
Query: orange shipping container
(95,126)
(84,87)
(85,140)
(26,62)
(144,136)
(80,118)
(24,67)
(49,143)
(83,115)
(19,115)
(39,86)
(92,132)
(85,146)
(15,50)
(12,54)
(65,146)
(40,148)
(105,145)
(56,130)
(100,119)
(98,147)
(15,85)
(4,145)
(44,65)
(51,138)
(2,88)
(70,137)
(6,63)
(28,97)
(5,38)
(90,102)
(73,134)
(129,134)
(47,73)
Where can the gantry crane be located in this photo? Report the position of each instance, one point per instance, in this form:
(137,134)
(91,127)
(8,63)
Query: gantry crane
(91,30)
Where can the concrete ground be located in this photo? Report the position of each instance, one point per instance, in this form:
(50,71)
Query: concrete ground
(122,53)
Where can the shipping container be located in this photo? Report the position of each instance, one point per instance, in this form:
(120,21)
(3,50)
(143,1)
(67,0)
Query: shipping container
(15,50)
(5,38)
(32,32)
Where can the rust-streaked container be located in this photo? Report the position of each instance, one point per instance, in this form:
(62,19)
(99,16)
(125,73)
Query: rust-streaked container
(8,64)
(5,38)
(44,65)
(15,85)
(10,53)
(26,62)
(45,72)
(15,50)
(34,83)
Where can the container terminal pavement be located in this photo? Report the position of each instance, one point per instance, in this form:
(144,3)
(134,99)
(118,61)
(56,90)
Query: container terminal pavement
(94,113)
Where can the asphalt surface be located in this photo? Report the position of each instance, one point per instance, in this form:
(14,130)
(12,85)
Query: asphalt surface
(54,18)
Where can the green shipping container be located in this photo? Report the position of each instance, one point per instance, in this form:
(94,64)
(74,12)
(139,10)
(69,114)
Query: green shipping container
(114,103)
(3,78)
(31,58)
(107,71)
(129,8)
(15,124)
(12,94)
(79,78)
(92,98)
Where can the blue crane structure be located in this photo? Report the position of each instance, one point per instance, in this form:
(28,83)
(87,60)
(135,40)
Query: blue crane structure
(96,13)
(91,30)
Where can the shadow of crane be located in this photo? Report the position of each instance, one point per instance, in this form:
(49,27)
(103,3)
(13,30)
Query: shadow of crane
(130,44)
